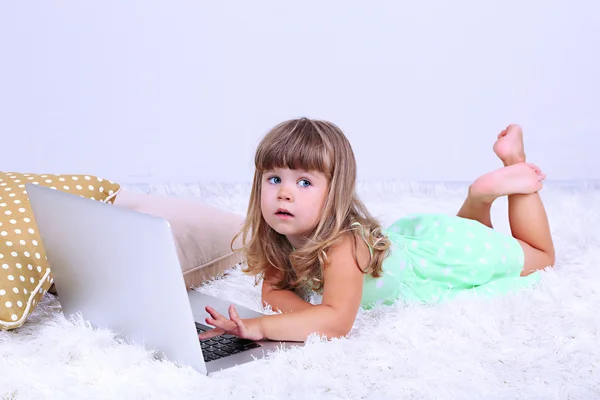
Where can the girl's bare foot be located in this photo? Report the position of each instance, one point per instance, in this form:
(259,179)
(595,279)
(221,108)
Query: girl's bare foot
(521,178)
(509,146)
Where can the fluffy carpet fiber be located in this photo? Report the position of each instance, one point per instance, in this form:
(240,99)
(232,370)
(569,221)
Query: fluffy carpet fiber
(541,343)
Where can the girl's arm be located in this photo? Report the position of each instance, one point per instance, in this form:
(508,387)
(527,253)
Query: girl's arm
(342,293)
(334,317)
(281,300)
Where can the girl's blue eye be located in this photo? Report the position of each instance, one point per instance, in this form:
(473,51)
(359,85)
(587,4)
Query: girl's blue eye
(275,179)
(304,180)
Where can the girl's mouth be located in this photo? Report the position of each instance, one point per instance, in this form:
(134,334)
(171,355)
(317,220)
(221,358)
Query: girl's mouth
(285,214)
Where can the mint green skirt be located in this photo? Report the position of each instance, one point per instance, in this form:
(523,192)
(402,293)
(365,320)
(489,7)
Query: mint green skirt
(436,257)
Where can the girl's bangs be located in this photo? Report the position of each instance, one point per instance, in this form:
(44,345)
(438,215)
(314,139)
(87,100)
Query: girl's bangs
(296,151)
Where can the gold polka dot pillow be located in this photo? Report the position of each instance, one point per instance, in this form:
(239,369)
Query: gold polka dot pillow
(24,272)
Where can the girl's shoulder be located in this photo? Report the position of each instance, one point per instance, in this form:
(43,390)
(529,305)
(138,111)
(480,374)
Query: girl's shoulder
(351,247)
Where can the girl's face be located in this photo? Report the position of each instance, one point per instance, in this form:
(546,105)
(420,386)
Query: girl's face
(292,201)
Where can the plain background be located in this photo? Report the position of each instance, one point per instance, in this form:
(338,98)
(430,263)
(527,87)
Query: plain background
(183,91)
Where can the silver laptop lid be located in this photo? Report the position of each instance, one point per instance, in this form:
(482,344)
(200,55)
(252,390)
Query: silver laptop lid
(120,270)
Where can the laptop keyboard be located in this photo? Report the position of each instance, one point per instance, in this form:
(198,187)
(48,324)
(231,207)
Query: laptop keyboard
(222,346)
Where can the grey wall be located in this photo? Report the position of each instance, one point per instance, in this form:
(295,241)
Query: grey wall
(183,91)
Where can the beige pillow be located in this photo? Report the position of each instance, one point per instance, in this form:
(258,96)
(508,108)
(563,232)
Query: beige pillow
(202,233)
(24,272)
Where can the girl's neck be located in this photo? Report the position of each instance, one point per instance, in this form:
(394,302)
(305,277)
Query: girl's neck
(296,242)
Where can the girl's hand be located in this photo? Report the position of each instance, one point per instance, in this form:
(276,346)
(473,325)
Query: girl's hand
(247,329)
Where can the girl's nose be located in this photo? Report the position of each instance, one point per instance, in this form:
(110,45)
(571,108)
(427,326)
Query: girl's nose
(284,194)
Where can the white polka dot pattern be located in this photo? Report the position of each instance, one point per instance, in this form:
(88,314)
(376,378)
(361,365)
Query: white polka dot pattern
(436,257)
(24,272)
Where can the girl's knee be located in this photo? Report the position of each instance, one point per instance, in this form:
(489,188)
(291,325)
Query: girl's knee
(536,259)
(551,259)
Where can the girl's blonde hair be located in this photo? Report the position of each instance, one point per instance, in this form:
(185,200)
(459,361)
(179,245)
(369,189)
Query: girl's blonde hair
(311,145)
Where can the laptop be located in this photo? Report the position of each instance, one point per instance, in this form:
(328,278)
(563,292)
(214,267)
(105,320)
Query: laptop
(119,269)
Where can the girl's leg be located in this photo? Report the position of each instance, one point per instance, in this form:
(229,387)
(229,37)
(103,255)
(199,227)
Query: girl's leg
(526,213)
(521,182)
(476,210)
(524,178)
(529,225)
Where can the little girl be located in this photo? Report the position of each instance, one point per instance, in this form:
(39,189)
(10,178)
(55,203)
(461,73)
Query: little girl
(306,230)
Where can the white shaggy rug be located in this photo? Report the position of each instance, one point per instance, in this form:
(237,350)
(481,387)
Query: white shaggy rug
(542,343)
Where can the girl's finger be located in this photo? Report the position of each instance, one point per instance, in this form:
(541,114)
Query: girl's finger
(233,315)
(211,333)
(213,313)
(241,327)
(223,323)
